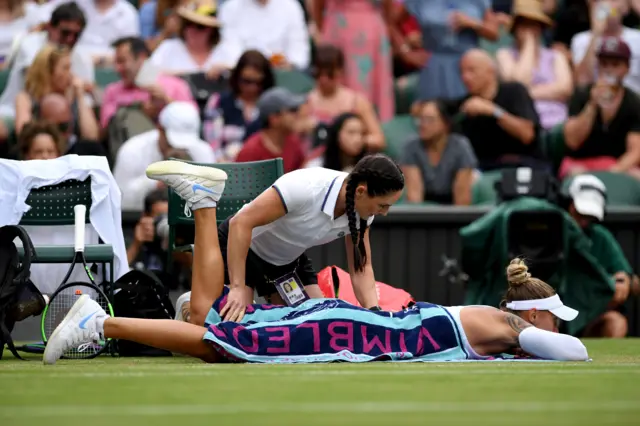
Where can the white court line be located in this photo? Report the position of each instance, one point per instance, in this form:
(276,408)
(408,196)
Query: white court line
(410,368)
(302,375)
(333,408)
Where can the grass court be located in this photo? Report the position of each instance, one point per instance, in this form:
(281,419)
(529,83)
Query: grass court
(182,391)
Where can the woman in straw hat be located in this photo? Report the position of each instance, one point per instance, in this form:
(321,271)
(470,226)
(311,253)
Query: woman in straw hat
(545,72)
(199,48)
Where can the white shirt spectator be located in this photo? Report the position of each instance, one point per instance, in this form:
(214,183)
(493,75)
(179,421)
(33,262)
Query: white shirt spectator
(103,28)
(172,57)
(81,67)
(181,122)
(9,31)
(277,27)
(580,43)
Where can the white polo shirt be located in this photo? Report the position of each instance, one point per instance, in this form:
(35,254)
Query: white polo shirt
(274,27)
(121,20)
(309,196)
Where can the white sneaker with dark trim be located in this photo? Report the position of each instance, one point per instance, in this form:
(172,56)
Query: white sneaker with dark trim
(78,327)
(192,183)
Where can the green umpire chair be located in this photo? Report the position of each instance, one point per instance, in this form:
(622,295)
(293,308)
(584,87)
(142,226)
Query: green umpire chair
(53,206)
(244,183)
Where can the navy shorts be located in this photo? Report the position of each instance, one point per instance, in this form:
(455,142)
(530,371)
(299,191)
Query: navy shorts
(260,274)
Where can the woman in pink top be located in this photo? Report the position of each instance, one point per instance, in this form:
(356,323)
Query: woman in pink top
(545,72)
(359,29)
(330,98)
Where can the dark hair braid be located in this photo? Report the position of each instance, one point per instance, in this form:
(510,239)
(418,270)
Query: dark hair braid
(382,176)
(359,253)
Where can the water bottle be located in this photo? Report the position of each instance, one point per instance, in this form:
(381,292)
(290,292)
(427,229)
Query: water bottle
(450,35)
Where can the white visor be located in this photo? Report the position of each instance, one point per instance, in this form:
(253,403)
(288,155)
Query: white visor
(552,304)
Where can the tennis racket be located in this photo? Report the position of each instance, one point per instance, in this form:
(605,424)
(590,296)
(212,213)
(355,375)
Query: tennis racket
(67,293)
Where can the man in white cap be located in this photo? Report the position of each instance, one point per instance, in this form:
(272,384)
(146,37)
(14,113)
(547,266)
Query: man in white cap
(177,135)
(588,196)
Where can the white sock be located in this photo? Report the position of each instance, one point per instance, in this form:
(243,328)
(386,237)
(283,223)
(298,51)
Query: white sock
(205,203)
(100,324)
(553,346)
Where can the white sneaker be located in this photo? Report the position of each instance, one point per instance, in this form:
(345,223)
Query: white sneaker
(79,326)
(192,183)
(184,298)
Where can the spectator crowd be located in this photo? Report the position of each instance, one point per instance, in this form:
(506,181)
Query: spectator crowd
(453,89)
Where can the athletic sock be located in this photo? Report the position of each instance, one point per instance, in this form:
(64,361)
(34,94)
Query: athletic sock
(100,324)
(205,203)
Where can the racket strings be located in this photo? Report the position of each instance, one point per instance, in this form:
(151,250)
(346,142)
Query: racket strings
(60,305)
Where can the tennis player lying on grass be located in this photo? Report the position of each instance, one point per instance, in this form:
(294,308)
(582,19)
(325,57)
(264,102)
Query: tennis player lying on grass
(323,330)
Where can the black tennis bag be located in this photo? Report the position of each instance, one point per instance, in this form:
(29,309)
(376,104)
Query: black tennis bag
(19,297)
(140,294)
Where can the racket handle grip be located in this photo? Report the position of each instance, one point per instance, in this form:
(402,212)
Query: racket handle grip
(80,213)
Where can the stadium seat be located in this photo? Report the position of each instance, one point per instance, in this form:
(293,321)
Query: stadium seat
(504,40)
(296,81)
(106,76)
(483,190)
(397,132)
(53,206)
(245,182)
(405,90)
(622,189)
(4,77)
(553,145)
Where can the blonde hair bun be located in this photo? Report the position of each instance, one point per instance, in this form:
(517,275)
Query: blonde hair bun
(517,273)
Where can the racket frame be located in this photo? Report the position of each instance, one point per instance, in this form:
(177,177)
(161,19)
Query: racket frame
(78,257)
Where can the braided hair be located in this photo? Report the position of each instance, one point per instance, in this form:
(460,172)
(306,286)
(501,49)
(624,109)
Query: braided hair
(382,176)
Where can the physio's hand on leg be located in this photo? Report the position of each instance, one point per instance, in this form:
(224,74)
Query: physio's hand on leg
(237,300)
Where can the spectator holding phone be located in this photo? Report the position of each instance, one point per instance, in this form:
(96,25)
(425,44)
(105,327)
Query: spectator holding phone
(606,21)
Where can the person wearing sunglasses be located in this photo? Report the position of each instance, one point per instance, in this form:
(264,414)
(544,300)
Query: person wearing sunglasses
(230,116)
(66,24)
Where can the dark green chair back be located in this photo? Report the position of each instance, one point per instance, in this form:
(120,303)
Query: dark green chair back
(105,76)
(53,205)
(397,133)
(4,77)
(406,89)
(483,191)
(296,81)
(244,183)
(554,146)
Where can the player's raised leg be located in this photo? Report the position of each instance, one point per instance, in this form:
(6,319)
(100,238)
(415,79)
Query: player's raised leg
(201,187)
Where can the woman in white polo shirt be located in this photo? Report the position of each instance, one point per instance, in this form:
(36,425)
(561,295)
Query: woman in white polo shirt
(265,242)
(263,245)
